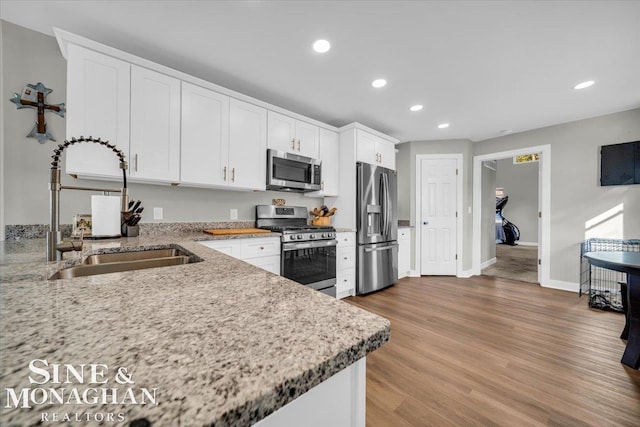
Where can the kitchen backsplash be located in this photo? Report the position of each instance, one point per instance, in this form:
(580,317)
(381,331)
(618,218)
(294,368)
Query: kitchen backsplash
(37,231)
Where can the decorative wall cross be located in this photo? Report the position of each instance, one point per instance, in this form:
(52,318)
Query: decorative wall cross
(33,96)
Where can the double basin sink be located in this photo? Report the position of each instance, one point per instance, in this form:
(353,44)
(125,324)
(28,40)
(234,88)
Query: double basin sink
(136,259)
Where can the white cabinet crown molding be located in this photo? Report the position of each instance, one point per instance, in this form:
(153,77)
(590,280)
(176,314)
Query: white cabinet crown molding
(356,125)
(65,38)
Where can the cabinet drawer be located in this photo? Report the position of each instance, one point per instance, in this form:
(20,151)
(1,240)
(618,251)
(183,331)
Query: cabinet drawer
(346,239)
(228,247)
(269,263)
(346,280)
(345,258)
(252,248)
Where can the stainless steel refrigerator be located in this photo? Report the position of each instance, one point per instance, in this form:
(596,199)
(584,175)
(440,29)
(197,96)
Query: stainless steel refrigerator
(377,224)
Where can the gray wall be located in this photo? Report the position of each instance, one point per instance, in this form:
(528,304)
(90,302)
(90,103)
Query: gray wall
(576,196)
(30,57)
(520,183)
(488,244)
(407,185)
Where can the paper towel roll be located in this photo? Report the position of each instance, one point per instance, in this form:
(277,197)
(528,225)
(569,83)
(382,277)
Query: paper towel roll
(105,216)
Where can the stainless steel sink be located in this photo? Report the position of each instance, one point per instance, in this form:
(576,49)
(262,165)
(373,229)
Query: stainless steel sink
(134,256)
(126,261)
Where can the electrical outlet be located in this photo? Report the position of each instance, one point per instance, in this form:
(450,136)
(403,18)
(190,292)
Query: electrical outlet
(233,214)
(158,213)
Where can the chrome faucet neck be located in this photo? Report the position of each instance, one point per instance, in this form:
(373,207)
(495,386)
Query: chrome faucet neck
(54,235)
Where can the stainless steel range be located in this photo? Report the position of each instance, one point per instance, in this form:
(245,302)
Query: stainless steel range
(308,253)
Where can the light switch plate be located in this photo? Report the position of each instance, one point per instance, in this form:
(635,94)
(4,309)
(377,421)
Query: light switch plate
(233,214)
(158,213)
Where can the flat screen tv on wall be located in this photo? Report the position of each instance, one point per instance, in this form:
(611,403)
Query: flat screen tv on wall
(620,164)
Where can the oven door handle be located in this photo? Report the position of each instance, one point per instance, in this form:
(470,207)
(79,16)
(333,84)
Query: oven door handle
(308,245)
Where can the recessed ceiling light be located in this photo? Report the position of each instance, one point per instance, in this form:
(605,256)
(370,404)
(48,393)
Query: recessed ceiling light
(378,83)
(321,46)
(584,85)
(443,125)
(416,107)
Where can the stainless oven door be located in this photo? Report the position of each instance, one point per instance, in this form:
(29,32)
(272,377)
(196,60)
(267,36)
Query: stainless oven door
(311,263)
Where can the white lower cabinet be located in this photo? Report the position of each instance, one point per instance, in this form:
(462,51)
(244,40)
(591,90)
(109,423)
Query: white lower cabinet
(337,401)
(346,264)
(262,252)
(404,251)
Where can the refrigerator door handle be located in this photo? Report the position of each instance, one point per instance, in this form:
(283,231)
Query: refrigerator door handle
(383,202)
(387,205)
(384,248)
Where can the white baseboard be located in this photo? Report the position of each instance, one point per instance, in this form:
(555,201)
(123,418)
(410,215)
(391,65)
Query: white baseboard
(414,273)
(561,285)
(488,262)
(465,274)
(345,293)
(527,243)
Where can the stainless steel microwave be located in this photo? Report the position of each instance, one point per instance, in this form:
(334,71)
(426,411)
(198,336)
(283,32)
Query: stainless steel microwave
(291,172)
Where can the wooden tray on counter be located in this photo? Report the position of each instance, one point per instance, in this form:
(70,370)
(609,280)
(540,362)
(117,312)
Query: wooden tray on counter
(226,231)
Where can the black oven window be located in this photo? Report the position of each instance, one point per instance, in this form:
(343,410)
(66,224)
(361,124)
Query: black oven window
(290,170)
(308,266)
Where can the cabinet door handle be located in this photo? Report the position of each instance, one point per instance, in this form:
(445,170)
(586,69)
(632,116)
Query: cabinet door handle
(233,175)
(322,185)
(261,248)
(135,163)
(224,173)
(298,145)
(293,143)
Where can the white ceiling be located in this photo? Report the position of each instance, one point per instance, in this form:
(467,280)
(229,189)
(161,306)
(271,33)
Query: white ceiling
(482,66)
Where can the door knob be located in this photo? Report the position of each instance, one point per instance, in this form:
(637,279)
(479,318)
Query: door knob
(425,222)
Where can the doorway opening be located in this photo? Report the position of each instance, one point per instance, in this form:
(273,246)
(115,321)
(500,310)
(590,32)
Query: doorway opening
(524,255)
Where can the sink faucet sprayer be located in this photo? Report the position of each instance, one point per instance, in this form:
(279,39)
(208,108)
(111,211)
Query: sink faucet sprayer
(55,245)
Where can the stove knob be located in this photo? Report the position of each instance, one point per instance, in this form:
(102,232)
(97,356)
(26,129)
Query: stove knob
(299,237)
(292,237)
(312,236)
(330,234)
(324,235)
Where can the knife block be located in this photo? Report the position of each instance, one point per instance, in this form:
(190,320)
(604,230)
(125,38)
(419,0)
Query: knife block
(130,230)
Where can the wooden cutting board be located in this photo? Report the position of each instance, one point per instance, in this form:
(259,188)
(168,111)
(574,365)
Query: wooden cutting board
(224,231)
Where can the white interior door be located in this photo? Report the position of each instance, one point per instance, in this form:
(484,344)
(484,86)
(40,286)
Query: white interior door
(438,216)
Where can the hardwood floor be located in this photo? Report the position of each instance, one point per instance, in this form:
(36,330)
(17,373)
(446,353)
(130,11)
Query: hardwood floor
(488,351)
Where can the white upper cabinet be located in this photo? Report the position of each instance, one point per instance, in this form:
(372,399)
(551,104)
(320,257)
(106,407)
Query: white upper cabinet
(172,127)
(374,150)
(205,136)
(294,136)
(247,146)
(330,156)
(307,139)
(98,89)
(387,154)
(155,126)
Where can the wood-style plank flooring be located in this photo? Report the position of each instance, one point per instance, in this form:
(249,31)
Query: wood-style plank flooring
(488,351)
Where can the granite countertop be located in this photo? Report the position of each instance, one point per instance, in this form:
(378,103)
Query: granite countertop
(222,342)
